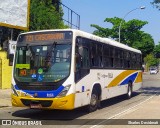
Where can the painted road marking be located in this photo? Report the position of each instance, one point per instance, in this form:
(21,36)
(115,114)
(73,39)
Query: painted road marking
(123,112)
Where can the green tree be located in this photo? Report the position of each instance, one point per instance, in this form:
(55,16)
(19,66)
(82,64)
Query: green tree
(131,33)
(157,50)
(150,60)
(156,3)
(43,15)
(145,44)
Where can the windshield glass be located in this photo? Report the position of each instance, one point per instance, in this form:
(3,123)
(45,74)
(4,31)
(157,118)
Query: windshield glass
(42,63)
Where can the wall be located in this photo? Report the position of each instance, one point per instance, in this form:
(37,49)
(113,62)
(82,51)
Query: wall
(5,71)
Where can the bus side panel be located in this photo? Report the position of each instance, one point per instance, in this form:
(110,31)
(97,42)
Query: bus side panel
(117,91)
(118,84)
(85,85)
(111,82)
(138,82)
(137,86)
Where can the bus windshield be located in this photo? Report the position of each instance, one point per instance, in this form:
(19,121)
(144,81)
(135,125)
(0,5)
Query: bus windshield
(42,63)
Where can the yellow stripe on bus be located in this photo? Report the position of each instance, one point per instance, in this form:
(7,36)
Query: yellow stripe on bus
(139,78)
(120,77)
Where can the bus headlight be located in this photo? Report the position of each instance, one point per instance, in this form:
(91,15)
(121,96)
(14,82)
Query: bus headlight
(64,91)
(14,90)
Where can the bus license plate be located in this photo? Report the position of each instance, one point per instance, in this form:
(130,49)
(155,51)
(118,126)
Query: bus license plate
(35,106)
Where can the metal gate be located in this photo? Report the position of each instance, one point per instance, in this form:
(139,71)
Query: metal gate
(0,73)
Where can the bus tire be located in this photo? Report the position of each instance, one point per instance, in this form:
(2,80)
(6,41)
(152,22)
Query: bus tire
(94,102)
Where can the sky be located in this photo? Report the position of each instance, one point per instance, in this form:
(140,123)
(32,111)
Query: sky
(96,11)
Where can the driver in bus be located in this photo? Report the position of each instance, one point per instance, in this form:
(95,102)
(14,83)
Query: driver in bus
(68,58)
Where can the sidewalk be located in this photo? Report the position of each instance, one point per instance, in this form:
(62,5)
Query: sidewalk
(5,98)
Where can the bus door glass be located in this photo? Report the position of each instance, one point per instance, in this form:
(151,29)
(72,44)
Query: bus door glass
(82,59)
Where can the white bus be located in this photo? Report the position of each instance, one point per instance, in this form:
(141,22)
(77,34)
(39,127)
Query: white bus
(66,69)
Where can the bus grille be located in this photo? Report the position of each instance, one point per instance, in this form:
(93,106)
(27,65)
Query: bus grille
(44,103)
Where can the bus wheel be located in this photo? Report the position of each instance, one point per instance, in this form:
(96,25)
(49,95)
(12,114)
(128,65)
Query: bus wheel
(93,102)
(129,92)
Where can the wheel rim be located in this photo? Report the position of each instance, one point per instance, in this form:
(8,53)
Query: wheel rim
(129,91)
(93,100)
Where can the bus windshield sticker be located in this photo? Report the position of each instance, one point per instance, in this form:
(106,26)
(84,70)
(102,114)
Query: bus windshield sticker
(23,72)
(23,66)
(40,71)
(38,50)
(44,48)
(34,76)
(40,77)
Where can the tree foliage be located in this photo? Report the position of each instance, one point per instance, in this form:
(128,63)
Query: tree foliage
(156,3)
(146,44)
(43,15)
(131,33)
(157,50)
(150,60)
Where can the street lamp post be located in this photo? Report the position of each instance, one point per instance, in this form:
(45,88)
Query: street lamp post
(143,7)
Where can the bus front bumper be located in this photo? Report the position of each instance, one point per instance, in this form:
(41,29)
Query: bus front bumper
(64,103)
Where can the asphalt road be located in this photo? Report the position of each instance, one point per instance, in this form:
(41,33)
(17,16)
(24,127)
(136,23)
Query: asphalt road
(79,117)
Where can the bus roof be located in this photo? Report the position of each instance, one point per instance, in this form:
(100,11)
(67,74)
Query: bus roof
(106,40)
(93,37)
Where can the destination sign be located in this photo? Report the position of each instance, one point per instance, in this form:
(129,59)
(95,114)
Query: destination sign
(44,37)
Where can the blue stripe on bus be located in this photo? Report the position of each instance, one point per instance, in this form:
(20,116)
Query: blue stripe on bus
(132,78)
(43,94)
